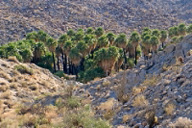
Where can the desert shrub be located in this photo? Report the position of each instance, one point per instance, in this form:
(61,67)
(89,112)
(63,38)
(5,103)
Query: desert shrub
(23,69)
(169,109)
(140,101)
(73,102)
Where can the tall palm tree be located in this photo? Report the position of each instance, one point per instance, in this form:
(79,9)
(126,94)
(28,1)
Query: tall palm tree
(32,36)
(146,29)
(163,37)
(78,36)
(189,28)
(70,33)
(90,30)
(134,40)
(39,50)
(121,41)
(154,42)
(103,41)
(61,42)
(75,57)
(106,58)
(182,29)
(146,46)
(42,36)
(111,37)
(156,33)
(52,44)
(99,32)
(58,52)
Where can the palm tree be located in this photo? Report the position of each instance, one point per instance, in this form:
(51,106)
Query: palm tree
(120,60)
(75,57)
(163,37)
(175,31)
(103,41)
(52,44)
(61,42)
(134,40)
(58,52)
(71,33)
(156,33)
(42,36)
(111,37)
(32,36)
(78,36)
(90,30)
(146,46)
(99,32)
(121,41)
(171,32)
(106,58)
(90,40)
(182,29)
(189,28)
(146,29)
(39,50)
(154,42)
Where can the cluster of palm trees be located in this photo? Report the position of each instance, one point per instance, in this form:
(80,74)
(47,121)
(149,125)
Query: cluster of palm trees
(92,52)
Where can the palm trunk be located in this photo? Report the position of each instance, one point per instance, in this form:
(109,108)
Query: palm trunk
(54,65)
(135,55)
(58,64)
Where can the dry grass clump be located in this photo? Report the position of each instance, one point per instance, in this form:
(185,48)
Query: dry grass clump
(6,95)
(151,81)
(3,86)
(137,90)
(23,69)
(181,122)
(126,118)
(13,86)
(106,82)
(13,59)
(151,119)
(140,101)
(5,75)
(169,109)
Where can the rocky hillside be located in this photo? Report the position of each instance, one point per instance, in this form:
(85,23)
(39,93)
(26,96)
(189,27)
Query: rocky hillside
(157,92)
(19,17)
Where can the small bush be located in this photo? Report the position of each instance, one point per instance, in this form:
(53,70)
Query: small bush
(140,101)
(181,122)
(151,81)
(23,69)
(59,74)
(73,102)
(169,109)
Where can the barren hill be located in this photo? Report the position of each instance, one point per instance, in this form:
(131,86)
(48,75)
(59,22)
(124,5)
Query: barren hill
(18,17)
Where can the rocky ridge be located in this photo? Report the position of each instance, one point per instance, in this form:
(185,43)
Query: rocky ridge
(19,17)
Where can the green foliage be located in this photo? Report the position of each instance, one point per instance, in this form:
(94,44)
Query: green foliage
(73,102)
(103,41)
(163,35)
(156,33)
(121,41)
(59,74)
(189,28)
(182,29)
(99,31)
